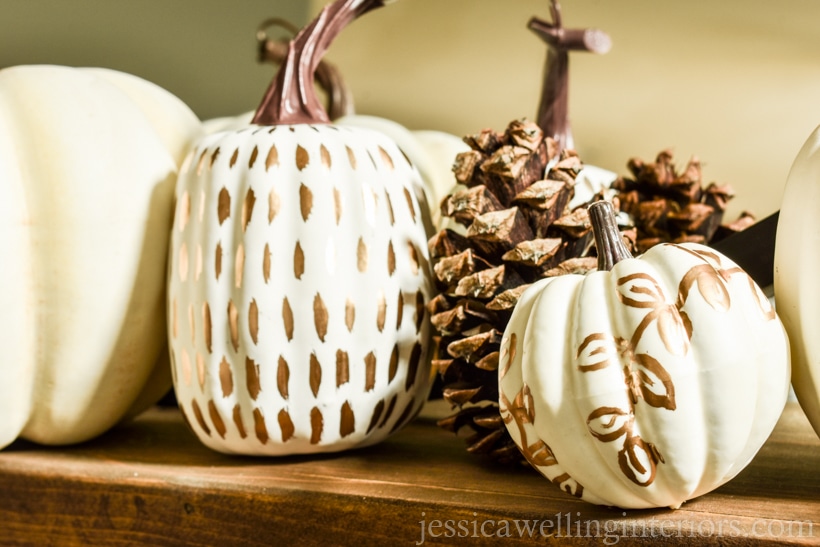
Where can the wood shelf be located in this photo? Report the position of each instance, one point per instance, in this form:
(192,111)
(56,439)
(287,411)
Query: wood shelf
(150,482)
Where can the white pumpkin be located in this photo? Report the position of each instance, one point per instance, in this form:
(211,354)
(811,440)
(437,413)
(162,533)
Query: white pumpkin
(299,277)
(88,160)
(796,265)
(646,385)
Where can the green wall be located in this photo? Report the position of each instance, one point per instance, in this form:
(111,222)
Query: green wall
(204,51)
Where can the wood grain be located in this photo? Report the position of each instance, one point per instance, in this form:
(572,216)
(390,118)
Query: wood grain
(150,482)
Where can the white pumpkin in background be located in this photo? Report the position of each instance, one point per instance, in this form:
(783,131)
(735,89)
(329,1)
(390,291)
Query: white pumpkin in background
(796,265)
(647,383)
(88,160)
(299,275)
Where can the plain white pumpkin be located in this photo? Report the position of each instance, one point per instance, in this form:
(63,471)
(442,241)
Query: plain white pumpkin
(796,267)
(646,385)
(88,160)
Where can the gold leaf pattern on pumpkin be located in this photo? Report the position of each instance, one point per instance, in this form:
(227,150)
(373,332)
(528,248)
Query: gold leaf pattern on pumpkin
(351,157)
(298,261)
(645,378)
(200,166)
(320,316)
(254,155)
(393,367)
(315,376)
(199,417)
(711,285)
(252,381)
(233,323)
(414,258)
(223,205)
(287,319)
(388,161)
(253,321)
(216,419)
(410,205)
(347,423)
(225,377)
(391,259)
(317,423)
(302,157)
(370,371)
(381,311)
(266,262)
(377,412)
(507,356)
(399,310)
(238,422)
(337,204)
(521,412)
(239,265)
(609,423)
(274,204)
(272,159)
(285,425)
(342,368)
(390,212)
(282,377)
(247,208)
(326,161)
(350,314)
(305,201)
(639,460)
(361,255)
(259,426)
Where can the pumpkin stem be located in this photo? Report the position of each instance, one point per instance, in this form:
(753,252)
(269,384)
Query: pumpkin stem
(553,110)
(328,76)
(608,240)
(291,98)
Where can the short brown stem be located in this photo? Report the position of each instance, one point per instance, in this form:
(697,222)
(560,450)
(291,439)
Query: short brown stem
(608,240)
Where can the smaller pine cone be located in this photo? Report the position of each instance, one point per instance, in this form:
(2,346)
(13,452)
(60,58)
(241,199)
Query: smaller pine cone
(666,205)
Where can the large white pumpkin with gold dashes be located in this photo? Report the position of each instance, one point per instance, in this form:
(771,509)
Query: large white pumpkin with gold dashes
(298,284)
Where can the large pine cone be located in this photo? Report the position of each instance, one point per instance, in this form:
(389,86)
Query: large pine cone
(517,229)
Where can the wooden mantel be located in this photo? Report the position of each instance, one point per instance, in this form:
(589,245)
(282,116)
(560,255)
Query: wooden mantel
(150,482)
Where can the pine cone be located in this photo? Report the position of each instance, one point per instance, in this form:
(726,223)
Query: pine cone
(517,229)
(670,206)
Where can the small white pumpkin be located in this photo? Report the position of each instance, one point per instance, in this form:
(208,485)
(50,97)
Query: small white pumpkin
(88,160)
(796,265)
(647,383)
(299,275)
